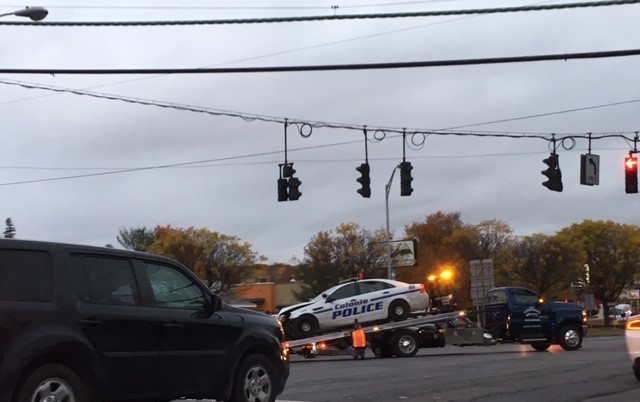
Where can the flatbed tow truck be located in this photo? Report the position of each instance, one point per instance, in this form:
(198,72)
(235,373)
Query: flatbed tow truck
(511,315)
(396,338)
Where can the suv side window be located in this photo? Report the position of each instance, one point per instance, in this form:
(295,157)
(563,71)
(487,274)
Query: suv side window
(173,289)
(25,276)
(105,280)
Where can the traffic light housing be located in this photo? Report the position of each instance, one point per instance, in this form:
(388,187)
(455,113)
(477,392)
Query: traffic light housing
(553,173)
(631,174)
(288,186)
(294,192)
(283,190)
(364,180)
(405,179)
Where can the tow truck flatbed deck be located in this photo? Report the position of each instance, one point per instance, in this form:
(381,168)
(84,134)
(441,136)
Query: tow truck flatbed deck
(411,321)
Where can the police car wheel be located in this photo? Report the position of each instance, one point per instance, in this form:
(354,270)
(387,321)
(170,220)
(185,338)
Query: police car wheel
(398,310)
(306,326)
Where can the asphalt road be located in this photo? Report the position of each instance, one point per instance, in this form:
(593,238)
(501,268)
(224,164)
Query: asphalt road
(600,371)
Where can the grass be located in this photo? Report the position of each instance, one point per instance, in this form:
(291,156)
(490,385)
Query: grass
(605,331)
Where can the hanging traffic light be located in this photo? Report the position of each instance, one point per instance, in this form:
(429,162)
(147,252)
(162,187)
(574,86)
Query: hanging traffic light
(631,174)
(294,192)
(283,190)
(287,184)
(364,180)
(553,173)
(288,170)
(405,178)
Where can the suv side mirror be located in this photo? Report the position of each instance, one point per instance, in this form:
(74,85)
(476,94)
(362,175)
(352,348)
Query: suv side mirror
(214,303)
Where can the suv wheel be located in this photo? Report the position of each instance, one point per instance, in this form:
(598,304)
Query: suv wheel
(53,382)
(254,381)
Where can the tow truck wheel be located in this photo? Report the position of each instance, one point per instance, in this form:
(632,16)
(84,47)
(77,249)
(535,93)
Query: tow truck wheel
(540,346)
(305,327)
(570,337)
(398,310)
(405,344)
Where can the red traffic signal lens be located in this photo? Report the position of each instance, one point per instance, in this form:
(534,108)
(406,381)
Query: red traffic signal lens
(630,163)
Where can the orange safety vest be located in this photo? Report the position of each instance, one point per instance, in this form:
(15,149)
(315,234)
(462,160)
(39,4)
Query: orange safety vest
(359,338)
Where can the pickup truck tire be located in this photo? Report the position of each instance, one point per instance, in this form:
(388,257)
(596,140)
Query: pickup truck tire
(54,382)
(398,310)
(540,346)
(570,337)
(254,380)
(305,327)
(405,343)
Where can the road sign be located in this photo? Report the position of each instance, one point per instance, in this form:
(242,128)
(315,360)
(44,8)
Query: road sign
(590,169)
(481,279)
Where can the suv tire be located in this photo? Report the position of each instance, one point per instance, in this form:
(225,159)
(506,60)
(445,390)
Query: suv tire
(254,381)
(54,380)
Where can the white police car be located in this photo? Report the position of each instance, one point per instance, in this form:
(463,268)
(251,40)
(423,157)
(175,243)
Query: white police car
(365,300)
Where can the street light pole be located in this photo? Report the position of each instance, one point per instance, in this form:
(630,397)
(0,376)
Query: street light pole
(387,188)
(33,13)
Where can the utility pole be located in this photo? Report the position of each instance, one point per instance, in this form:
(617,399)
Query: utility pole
(387,189)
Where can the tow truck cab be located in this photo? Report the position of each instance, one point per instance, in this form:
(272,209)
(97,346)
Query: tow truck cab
(521,315)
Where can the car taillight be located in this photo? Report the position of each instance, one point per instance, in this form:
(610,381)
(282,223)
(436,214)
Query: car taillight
(634,324)
(422,288)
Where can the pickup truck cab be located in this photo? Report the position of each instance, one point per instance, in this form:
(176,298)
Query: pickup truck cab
(515,314)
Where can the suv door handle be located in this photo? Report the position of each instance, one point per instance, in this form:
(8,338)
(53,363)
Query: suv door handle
(92,322)
(172,325)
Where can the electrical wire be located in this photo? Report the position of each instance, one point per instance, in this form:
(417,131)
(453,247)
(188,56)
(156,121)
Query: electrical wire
(441,13)
(327,67)
(248,117)
(84,7)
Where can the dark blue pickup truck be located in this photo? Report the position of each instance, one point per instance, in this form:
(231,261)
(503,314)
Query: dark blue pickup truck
(514,314)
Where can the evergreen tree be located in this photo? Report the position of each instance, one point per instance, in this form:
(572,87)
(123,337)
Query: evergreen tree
(10,230)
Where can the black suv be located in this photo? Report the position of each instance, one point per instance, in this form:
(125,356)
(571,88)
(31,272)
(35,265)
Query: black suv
(80,324)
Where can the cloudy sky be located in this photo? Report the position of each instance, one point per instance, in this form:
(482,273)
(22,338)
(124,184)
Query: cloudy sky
(232,188)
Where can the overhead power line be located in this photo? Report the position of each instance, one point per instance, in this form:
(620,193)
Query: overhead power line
(441,13)
(326,67)
(134,7)
(249,117)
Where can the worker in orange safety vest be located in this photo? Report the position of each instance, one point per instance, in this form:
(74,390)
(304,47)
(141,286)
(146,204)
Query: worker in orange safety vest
(358,341)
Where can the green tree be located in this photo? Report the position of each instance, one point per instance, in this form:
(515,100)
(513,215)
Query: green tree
(611,251)
(334,256)
(138,239)
(211,255)
(542,263)
(10,230)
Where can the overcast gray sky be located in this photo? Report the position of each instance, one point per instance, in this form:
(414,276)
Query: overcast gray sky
(48,135)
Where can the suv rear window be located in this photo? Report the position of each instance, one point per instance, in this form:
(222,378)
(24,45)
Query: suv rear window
(25,276)
(104,280)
